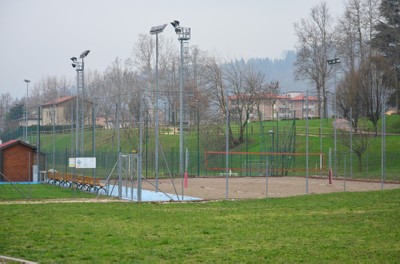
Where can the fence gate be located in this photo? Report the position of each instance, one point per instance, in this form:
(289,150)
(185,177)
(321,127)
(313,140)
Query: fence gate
(127,173)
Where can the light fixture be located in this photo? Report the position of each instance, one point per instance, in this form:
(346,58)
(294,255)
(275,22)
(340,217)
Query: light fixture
(157,29)
(84,54)
(175,24)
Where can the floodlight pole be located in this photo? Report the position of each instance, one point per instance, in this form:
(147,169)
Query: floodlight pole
(184,34)
(155,31)
(26,112)
(79,67)
(83,109)
(334,62)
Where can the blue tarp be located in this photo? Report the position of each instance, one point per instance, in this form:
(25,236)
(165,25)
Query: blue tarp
(148,196)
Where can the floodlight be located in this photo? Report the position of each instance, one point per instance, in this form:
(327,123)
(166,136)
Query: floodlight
(74,59)
(27,81)
(157,29)
(84,54)
(175,23)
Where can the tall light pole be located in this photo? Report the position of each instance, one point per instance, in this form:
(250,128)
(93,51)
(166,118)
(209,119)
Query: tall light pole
(80,87)
(183,36)
(334,62)
(26,112)
(155,31)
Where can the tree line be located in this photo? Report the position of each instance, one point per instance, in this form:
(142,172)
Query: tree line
(366,41)
(365,38)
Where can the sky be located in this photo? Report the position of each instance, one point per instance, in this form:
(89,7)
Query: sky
(38,37)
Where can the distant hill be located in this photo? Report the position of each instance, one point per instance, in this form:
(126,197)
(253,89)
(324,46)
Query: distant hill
(281,70)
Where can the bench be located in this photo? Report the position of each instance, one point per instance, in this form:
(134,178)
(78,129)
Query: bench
(86,183)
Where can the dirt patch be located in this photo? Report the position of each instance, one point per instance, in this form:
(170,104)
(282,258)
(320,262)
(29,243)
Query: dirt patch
(238,188)
(258,187)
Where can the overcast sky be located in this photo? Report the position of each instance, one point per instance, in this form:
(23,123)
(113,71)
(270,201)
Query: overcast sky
(38,37)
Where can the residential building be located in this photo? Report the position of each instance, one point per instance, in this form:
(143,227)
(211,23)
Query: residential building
(61,111)
(286,106)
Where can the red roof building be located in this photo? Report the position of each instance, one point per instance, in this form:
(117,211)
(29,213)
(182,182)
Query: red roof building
(62,111)
(286,106)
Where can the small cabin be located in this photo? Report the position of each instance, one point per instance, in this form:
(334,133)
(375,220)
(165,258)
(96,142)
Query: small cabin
(17,160)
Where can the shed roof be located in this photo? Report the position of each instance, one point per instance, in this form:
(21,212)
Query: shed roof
(15,142)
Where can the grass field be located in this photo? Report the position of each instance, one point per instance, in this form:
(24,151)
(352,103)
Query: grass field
(336,228)
(39,191)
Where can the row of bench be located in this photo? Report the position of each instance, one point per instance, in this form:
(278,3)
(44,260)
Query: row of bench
(86,183)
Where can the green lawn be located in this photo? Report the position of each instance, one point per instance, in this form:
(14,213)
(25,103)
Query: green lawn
(335,228)
(39,191)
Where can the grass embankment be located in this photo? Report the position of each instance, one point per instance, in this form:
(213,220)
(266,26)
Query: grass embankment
(340,227)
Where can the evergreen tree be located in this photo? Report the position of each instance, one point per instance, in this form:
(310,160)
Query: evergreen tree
(15,113)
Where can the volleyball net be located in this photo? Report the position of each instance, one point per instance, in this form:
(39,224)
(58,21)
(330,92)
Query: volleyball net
(262,163)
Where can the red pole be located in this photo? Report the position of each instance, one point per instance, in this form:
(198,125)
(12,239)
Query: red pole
(330,176)
(186,179)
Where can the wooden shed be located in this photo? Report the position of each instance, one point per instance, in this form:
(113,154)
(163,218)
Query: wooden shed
(16,161)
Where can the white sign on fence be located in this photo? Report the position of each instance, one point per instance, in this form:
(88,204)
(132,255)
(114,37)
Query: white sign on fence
(71,162)
(82,163)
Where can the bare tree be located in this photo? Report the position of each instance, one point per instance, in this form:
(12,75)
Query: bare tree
(360,141)
(356,29)
(49,88)
(377,83)
(348,94)
(246,85)
(215,86)
(239,80)
(359,90)
(197,99)
(170,87)
(315,45)
(366,91)
(143,53)
(5,105)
